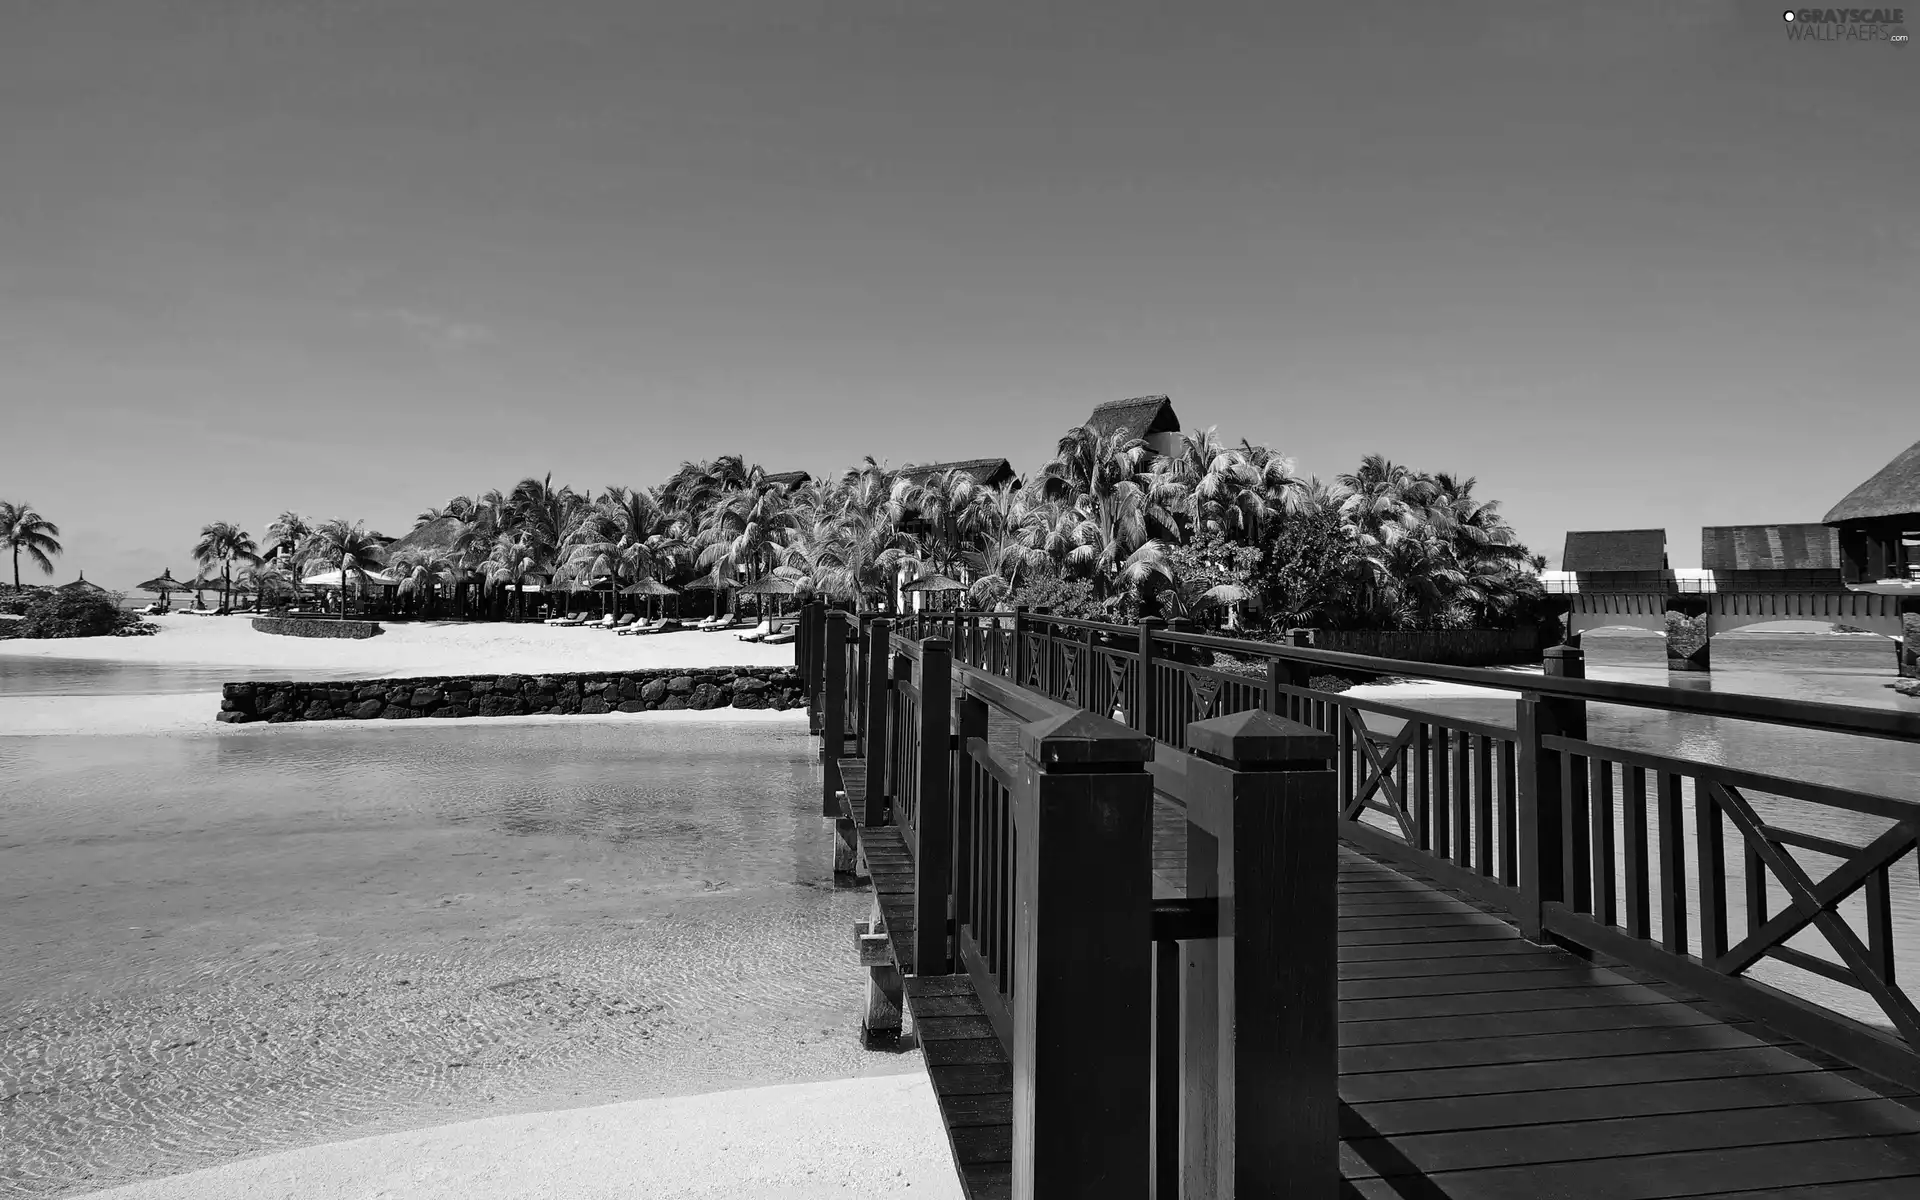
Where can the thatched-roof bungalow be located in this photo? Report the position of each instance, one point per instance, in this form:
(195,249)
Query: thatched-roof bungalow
(1879,523)
(433,537)
(990,472)
(1150,418)
(1767,556)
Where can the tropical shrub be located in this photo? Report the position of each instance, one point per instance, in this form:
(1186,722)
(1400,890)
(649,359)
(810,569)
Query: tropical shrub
(55,614)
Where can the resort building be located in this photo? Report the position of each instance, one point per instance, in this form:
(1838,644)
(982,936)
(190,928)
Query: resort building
(1149,418)
(1878,523)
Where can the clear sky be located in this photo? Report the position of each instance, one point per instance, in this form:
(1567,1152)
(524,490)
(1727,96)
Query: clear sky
(1630,264)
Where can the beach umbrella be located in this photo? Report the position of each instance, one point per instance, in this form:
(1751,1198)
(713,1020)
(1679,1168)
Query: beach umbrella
(649,588)
(768,585)
(932,584)
(163,585)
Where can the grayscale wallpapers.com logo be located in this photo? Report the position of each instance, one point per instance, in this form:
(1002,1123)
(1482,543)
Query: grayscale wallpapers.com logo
(1846,25)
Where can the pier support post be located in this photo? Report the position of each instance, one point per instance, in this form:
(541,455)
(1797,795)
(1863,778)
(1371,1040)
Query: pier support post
(1260,1023)
(879,714)
(886,996)
(1908,647)
(1689,641)
(1545,815)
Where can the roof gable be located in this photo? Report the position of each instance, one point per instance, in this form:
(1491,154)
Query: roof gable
(1615,550)
(1136,418)
(1893,491)
(1769,547)
(989,471)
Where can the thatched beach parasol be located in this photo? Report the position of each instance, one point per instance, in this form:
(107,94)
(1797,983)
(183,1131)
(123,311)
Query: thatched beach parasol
(164,585)
(649,588)
(934,584)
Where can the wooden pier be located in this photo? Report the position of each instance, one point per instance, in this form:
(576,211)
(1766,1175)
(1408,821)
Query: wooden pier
(1171,926)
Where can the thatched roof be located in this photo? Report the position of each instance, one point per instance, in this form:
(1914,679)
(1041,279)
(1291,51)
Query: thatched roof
(1894,491)
(769,585)
(82,584)
(1769,547)
(1616,550)
(648,587)
(992,472)
(435,537)
(164,582)
(1137,418)
(790,478)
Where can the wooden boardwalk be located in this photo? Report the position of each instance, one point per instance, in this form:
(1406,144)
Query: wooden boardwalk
(1475,1064)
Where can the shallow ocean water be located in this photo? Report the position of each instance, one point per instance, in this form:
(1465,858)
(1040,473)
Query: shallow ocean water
(231,943)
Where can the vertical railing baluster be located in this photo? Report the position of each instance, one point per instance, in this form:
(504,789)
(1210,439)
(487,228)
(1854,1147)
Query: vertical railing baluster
(1600,805)
(1436,787)
(1671,832)
(1460,756)
(1483,806)
(1755,872)
(1506,775)
(879,707)
(1634,820)
(1149,692)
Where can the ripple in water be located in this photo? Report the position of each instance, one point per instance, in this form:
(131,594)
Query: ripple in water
(222,946)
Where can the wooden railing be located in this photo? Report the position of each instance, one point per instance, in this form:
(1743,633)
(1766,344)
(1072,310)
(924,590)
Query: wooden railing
(1596,846)
(1032,881)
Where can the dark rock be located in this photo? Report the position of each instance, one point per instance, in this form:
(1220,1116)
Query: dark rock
(509,683)
(275,703)
(398,695)
(680,684)
(366,710)
(595,687)
(232,717)
(319,710)
(633,706)
(371,691)
(673,702)
(340,695)
(749,684)
(593,706)
(458,695)
(482,687)
(451,711)
(236,691)
(630,689)
(654,690)
(425,697)
(748,700)
(396,712)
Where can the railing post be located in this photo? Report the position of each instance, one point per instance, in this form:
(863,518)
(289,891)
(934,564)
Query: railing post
(933,811)
(1082,979)
(1540,828)
(1261,1027)
(879,713)
(808,645)
(833,709)
(1020,665)
(1149,700)
(1282,672)
(1084,685)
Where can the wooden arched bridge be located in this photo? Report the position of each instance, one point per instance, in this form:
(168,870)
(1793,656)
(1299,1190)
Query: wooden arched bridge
(1168,922)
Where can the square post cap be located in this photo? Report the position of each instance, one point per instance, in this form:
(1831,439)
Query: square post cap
(1083,739)
(1257,738)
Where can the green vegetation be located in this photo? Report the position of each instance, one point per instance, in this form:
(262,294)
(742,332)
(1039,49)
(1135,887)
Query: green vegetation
(1108,528)
(58,613)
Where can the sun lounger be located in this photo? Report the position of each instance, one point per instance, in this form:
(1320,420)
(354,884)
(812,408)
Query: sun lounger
(576,619)
(625,620)
(605,622)
(757,632)
(778,639)
(641,627)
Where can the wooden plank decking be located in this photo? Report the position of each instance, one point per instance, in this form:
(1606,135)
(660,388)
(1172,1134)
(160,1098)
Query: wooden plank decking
(1475,1065)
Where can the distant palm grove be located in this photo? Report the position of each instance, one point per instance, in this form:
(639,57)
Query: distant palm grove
(1110,527)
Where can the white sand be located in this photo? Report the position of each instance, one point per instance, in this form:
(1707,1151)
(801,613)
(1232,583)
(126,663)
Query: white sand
(411,649)
(403,650)
(877,1136)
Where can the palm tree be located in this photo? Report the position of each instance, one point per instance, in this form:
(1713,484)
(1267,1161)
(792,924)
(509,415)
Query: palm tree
(289,532)
(225,543)
(349,548)
(421,573)
(511,561)
(21,528)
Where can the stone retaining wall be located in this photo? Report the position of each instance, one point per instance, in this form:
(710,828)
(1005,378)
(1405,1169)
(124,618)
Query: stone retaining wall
(513,695)
(315,627)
